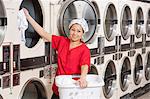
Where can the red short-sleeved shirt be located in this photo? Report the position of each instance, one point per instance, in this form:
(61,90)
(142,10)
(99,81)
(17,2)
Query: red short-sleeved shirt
(69,61)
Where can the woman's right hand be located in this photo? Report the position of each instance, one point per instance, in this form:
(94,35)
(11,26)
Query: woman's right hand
(26,12)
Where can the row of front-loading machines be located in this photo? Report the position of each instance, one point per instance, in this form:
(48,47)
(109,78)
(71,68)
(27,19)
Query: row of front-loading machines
(118,38)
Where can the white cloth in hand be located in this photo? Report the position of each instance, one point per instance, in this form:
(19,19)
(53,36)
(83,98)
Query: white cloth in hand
(22,24)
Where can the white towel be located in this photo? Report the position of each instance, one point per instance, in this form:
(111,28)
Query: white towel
(22,24)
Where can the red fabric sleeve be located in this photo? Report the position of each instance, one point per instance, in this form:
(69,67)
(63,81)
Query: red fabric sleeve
(85,58)
(55,41)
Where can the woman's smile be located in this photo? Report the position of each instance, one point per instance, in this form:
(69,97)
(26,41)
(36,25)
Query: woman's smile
(76,32)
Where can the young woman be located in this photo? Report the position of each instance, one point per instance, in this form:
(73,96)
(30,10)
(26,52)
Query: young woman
(73,54)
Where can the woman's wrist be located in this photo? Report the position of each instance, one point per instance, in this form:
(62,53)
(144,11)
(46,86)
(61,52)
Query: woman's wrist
(83,77)
(27,16)
(84,71)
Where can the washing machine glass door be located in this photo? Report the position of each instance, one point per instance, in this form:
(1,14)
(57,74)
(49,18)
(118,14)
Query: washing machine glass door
(110,80)
(125,74)
(126,23)
(93,70)
(35,11)
(138,70)
(34,90)
(110,22)
(148,24)
(1,97)
(148,28)
(78,9)
(3,22)
(147,68)
(139,23)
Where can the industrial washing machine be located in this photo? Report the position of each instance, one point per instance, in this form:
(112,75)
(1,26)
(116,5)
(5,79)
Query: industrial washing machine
(137,69)
(147,24)
(124,75)
(5,12)
(33,44)
(147,66)
(3,22)
(138,24)
(25,65)
(147,44)
(106,67)
(125,23)
(62,12)
(109,24)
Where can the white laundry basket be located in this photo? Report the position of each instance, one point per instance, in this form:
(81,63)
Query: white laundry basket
(69,90)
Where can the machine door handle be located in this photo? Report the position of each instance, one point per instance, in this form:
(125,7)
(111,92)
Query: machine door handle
(111,77)
(126,72)
(139,68)
(3,21)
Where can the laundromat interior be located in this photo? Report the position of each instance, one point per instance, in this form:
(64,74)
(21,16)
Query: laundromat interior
(118,39)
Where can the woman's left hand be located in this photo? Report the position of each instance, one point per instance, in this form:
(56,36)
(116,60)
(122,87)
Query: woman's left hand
(82,82)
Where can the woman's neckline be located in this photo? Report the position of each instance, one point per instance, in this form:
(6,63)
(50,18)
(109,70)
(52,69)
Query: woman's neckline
(71,48)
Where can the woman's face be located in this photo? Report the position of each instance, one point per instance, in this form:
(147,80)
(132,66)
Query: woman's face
(76,32)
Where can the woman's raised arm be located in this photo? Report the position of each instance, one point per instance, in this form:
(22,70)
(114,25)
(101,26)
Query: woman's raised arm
(37,27)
